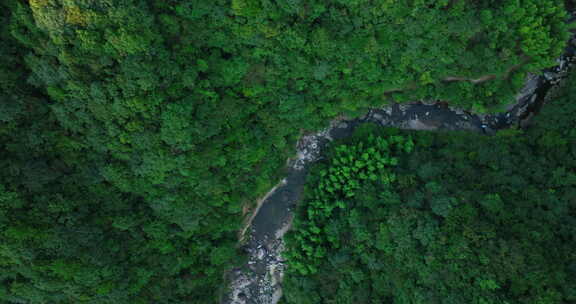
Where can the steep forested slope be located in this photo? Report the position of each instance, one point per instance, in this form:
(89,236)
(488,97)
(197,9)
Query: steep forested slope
(133,132)
(67,234)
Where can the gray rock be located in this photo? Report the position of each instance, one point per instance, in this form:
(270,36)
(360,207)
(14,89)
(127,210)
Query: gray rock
(530,85)
(261,253)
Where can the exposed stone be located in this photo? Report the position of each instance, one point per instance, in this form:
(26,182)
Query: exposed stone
(458,111)
(530,85)
(416,124)
(428,102)
(261,253)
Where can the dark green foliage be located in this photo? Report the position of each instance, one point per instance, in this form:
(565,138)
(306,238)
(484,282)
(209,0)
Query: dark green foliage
(73,229)
(134,132)
(468,219)
(360,53)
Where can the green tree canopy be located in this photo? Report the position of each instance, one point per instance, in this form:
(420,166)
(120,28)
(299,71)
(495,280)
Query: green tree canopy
(465,219)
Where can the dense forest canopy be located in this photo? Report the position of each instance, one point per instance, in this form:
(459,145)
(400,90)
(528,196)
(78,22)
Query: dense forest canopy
(134,132)
(417,217)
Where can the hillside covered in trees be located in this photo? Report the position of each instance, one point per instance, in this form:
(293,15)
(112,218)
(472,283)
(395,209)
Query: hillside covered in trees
(134,133)
(450,217)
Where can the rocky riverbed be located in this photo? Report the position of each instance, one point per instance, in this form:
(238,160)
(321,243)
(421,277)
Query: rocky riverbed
(260,280)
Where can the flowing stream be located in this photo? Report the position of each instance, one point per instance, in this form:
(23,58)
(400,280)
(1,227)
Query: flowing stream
(259,280)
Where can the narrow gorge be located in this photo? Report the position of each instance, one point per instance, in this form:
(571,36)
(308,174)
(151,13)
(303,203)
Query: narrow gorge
(260,280)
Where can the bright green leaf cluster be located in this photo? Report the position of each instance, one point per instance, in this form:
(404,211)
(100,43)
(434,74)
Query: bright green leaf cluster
(351,167)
